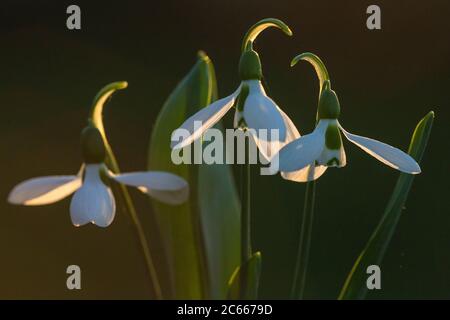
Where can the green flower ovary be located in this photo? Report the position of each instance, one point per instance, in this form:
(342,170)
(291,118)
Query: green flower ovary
(329,107)
(92,145)
(250,66)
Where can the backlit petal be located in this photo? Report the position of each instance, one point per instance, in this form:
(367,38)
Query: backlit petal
(385,153)
(44,190)
(303,151)
(196,125)
(164,186)
(94,201)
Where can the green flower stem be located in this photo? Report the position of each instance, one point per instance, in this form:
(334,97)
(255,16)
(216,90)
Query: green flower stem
(130,209)
(246,246)
(317,63)
(97,119)
(261,25)
(301,265)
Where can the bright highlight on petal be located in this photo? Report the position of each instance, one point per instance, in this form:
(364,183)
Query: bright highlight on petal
(44,190)
(306,174)
(261,113)
(303,151)
(94,201)
(385,153)
(164,186)
(207,117)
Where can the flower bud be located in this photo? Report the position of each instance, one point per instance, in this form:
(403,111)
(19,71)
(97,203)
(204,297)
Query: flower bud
(250,66)
(92,145)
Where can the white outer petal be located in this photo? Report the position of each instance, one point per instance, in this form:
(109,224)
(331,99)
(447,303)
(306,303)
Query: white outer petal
(164,186)
(385,153)
(206,117)
(305,174)
(260,112)
(44,190)
(94,201)
(304,151)
(329,154)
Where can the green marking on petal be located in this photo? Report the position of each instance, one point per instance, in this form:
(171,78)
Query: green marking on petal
(333,162)
(333,140)
(242,97)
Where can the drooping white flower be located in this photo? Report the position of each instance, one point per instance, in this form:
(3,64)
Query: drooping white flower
(254,111)
(93,201)
(324,146)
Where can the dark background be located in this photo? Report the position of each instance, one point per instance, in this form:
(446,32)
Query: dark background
(387,80)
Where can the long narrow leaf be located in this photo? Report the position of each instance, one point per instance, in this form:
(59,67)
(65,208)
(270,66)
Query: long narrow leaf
(355,286)
(253,271)
(201,236)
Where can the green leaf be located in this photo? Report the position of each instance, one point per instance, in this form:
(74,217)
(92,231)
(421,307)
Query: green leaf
(201,236)
(355,286)
(253,270)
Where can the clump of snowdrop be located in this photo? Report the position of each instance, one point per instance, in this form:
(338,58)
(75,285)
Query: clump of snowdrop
(93,201)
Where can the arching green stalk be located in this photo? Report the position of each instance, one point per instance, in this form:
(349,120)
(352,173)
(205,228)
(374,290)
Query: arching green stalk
(304,242)
(260,26)
(96,117)
(250,68)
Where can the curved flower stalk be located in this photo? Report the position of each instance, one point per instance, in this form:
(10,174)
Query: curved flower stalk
(254,109)
(324,145)
(93,201)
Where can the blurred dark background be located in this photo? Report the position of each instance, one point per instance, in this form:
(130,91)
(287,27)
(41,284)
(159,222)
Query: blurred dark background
(387,80)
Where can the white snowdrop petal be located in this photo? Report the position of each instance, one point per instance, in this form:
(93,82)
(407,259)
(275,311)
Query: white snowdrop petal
(170,197)
(306,174)
(303,151)
(164,186)
(204,119)
(385,153)
(94,201)
(269,149)
(328,155)
(261,113)
(292,132)
(44,190)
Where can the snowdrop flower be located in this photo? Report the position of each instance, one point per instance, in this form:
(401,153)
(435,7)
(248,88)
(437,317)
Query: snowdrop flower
(324,147)
(254,109)
(93,201)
